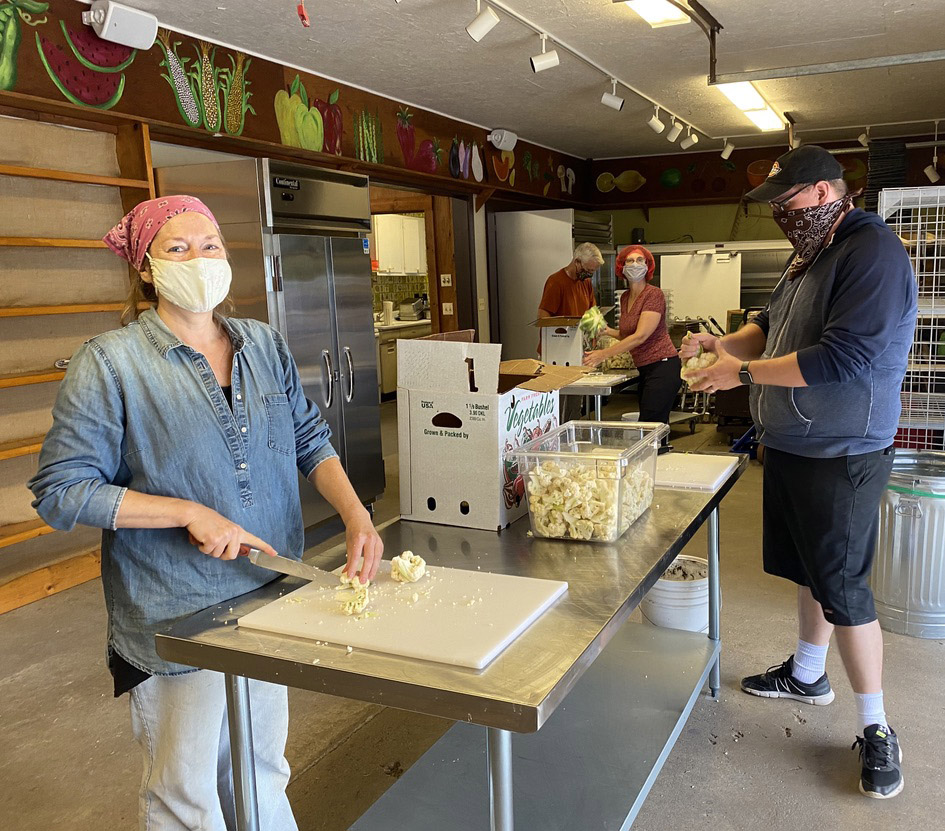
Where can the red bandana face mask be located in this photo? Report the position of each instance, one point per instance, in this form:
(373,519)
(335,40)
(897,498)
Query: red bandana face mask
(807,230)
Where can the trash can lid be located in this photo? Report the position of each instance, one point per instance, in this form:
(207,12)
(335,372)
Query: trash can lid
(919,472)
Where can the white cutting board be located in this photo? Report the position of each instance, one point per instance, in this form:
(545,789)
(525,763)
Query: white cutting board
(459,617)
(693,471)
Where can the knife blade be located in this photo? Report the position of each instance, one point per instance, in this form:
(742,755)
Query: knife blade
(294,568)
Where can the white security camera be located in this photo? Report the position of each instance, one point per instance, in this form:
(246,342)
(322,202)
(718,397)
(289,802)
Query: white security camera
(122,24)
(503,139)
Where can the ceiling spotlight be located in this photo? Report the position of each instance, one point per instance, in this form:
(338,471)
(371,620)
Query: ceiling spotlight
(655,124)
(864,137)
(545,60)
(483,23)
(727,149)
(690,140)
(658,13)
(931,171)
(675,131)
(611,99)
(795,141)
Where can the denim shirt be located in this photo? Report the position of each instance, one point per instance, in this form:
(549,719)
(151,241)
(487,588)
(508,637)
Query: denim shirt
(139,409)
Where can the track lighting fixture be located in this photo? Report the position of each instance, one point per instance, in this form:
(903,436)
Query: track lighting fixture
(674,131)
(654,123)
(611,99)
(483,23)
(727,149)
(690,140)
(544,60)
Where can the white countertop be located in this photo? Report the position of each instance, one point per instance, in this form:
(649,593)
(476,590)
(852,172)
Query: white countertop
(402,324)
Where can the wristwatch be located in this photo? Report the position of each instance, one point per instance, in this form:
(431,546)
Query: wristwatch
(744,375)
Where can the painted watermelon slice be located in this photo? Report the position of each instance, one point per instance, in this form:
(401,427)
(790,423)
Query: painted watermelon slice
(94,53)
(80,85)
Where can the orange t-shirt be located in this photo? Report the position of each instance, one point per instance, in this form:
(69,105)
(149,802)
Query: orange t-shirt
(564,297)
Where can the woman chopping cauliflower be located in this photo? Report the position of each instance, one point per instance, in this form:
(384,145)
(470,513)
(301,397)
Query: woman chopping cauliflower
(187,428)
(644,335)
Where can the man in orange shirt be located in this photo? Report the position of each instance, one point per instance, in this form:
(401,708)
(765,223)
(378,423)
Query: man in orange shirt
(569,293)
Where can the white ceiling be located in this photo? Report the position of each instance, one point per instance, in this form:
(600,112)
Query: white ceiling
(417,51)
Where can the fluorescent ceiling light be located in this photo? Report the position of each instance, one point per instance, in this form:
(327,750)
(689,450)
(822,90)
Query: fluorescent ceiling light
(675,131)
(658,12)
(765,120)
(483,23)
(743,95)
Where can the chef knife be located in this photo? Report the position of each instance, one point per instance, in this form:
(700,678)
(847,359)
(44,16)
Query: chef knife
(295,568)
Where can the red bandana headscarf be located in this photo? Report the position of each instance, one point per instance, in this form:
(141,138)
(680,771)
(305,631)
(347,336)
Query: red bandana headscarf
(131,237)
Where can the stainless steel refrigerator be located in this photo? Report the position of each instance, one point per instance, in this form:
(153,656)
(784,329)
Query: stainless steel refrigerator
(296,239)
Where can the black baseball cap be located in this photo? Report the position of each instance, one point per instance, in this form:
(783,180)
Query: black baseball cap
(803,166)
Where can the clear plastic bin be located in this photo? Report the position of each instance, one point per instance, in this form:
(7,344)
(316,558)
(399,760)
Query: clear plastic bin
(589,480)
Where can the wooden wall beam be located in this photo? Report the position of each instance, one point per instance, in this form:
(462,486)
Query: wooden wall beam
(445,260)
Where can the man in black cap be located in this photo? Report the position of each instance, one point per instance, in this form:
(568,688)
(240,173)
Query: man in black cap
(825,361)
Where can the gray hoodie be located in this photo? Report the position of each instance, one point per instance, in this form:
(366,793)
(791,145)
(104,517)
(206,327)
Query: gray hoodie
(851,318)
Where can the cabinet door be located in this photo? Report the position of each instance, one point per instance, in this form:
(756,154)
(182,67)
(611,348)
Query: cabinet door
(414,245)
(390,242)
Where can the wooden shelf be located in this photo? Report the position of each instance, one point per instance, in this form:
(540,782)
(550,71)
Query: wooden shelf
(50,242)
(74,309)
(49,580)
(69,176)
(20,447)
(23,379)
(23,531)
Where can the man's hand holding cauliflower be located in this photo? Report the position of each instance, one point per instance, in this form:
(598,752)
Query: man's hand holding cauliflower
(707,367)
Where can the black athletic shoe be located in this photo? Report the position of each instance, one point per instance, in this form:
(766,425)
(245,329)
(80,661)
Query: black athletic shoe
(778,682)
(882,762)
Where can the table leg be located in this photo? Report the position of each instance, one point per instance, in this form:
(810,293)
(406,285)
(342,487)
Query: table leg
(241,752)
(715,598)
(499,753)
(597,407)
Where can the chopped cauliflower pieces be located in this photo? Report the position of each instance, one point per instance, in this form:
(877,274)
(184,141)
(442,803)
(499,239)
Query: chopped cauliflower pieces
(698,362)
(407,567)
(587,501)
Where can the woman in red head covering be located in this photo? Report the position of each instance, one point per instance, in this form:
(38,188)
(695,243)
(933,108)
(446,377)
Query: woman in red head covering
(182,436)
(644,335)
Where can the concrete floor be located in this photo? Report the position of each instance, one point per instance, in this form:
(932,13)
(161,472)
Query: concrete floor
(67,760)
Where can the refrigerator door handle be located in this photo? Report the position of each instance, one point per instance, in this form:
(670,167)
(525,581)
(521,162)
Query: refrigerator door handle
(330,379)
(349,395)
(277,273)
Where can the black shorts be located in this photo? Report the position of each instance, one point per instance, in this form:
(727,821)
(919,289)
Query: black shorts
(821,517)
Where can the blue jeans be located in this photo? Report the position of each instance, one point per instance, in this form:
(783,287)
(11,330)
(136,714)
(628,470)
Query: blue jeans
(180,724)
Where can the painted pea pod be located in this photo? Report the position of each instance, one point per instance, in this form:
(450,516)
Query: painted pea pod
(9,44)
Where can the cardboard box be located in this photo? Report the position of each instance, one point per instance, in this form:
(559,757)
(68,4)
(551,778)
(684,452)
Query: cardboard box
(562,343)
(459,410)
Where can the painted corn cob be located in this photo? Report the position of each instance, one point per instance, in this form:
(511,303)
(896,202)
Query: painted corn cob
(236,95)
(208,76)
(179,80)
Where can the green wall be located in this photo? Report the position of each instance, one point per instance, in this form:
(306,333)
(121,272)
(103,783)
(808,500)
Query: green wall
(706,223)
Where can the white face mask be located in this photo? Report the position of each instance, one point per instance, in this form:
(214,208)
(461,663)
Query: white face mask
(635,272)
(197,285)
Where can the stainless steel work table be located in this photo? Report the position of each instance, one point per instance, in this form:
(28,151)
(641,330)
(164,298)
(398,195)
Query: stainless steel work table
(598,384)
(592,764)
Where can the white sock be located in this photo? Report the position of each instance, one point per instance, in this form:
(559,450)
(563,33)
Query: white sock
(810,661)
(869,707)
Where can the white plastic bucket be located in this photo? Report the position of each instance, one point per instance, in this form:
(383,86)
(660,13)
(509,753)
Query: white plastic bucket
(679,604)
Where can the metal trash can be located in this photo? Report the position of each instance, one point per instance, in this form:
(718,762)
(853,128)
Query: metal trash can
(908,576)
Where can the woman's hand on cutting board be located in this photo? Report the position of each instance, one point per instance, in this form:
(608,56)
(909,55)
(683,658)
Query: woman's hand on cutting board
(218,537)
(364,547)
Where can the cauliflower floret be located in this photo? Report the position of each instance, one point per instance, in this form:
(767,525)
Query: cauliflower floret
(703,360)
(407,567)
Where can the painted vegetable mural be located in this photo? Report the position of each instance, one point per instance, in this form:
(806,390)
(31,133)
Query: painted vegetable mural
(14,13)
(303,125)
(184,91)
(368,137)
(91,72)
(460,158)
(427,157)
(200,87)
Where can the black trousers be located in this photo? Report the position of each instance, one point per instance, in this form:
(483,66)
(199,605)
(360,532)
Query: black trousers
(659,384)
